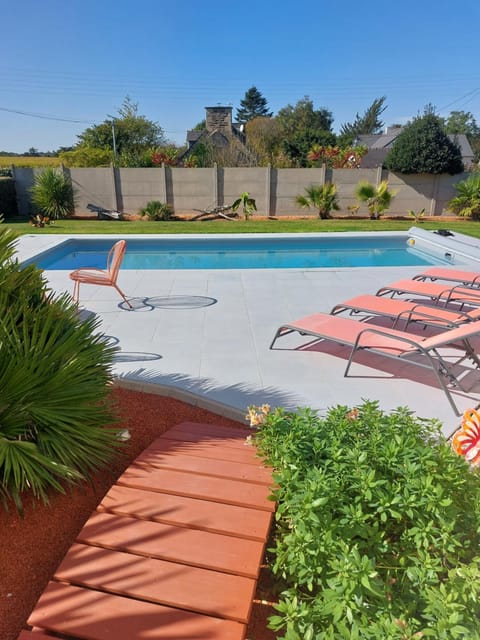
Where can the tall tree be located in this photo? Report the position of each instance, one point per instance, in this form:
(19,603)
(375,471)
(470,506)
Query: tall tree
(264,138)
(368,123)
(252,106)
(133,133)
(464,122)
(424,147)
(303,126)
(461,122)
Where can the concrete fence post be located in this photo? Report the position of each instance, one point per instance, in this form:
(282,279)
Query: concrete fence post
(163,183)
(323,174)
(268,189)
(114,196)
(215,184)
(433,200)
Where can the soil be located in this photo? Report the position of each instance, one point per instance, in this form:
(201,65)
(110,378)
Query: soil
(32,546)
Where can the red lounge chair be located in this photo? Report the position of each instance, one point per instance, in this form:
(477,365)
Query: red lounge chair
(402,310)
(392,343)
(106,278)
(467,278)
(439,293)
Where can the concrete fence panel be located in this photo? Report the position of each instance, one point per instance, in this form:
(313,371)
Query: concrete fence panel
(190,189)
(274,190)
(95,186)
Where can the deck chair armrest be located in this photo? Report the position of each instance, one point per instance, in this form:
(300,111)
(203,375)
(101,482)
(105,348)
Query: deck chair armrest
(380,332)
(417,312)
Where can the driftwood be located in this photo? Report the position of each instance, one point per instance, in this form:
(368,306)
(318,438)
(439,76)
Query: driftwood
(213,213)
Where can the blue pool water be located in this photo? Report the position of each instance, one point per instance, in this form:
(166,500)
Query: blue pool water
(240,253)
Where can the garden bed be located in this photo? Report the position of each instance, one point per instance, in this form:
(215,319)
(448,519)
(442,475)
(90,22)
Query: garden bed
(32,546)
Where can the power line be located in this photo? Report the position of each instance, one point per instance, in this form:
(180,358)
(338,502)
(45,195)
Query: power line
(466,95)
(44,116)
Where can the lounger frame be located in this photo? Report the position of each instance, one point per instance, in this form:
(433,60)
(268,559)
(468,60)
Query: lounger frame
(414,346)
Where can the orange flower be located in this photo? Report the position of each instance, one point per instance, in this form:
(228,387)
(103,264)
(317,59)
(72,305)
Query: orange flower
(466,441)
(256,415)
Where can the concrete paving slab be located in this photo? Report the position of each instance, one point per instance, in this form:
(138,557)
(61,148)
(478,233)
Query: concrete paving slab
(208,333)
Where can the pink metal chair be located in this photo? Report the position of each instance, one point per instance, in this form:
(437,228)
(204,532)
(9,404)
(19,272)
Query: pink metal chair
(106,278)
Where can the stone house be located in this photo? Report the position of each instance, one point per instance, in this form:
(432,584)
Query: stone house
(225,137)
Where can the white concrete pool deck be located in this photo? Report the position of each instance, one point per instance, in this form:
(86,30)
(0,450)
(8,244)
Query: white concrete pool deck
(204,336)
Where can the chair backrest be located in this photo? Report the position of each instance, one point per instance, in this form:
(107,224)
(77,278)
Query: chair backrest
(115,257)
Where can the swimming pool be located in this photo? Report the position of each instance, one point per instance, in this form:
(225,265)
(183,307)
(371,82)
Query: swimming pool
(241,252)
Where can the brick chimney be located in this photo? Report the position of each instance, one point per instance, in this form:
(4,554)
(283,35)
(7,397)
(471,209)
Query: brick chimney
(219,119)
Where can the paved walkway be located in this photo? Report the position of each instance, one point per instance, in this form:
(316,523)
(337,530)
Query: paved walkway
(205,335)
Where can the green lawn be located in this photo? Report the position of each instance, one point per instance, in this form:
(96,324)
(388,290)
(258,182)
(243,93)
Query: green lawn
(241,226)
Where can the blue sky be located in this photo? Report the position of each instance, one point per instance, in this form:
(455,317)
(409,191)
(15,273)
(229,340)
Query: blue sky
(77,60)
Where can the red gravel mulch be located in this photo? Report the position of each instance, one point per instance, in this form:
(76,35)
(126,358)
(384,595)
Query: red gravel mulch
(31,547)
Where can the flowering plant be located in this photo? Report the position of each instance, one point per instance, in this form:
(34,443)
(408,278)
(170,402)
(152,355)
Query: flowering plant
(257,415)
(466,441)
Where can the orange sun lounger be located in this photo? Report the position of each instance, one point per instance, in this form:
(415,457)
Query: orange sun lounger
(101,277)
(438,293)
(467,278)
(392,343)
(402,310)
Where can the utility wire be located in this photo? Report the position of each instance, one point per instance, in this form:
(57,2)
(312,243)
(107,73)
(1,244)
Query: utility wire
(45,117)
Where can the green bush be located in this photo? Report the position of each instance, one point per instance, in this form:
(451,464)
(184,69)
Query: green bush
(156,210)
(378,526)
(53,194)
(424,147)
(8,198)
(55,371)
(467,201)
(86,157)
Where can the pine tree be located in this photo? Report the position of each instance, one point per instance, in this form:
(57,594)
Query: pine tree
(368,123)
(252,106)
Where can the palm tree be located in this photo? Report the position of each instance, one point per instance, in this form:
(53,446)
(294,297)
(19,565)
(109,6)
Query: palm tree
(322,197)
(467,201)
(53,194)
(377,198)
(55,374)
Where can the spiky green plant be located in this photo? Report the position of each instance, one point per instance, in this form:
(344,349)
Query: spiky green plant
(467,201)
(156,210)
(377,198)
(53,194)
(55,371)
(323,197)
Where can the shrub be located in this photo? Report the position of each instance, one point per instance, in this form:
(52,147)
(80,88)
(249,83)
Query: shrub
(467,201)
(321,197)
(424,147)
(53,194)
(378,526)
(8,199)
(55,371)
(86,157)
(156,210)
(377,198)
(337,157)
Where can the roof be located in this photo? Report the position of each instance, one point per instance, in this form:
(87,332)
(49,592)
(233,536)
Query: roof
(386,140)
